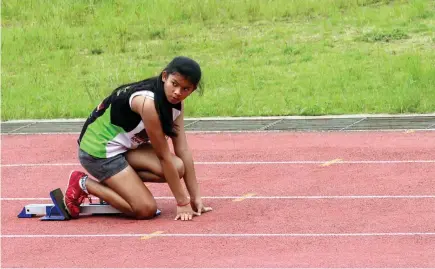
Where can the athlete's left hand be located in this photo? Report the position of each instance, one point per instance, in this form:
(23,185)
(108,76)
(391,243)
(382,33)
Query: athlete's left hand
(199,207)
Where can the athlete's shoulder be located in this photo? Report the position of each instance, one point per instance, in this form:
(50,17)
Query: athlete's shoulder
(142,105)
(129,89)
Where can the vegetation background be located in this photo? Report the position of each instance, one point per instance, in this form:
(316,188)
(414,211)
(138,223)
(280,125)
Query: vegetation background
(60,58)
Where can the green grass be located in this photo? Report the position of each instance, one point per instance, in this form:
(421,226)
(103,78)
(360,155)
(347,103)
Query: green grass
(259,57)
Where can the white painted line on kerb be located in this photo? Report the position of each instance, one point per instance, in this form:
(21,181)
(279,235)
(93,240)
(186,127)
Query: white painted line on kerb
(22,127)
(246,163)
(247,235)
(289,197)
(350,125)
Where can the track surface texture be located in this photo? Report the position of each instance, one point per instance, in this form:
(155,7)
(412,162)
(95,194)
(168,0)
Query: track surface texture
(283,199)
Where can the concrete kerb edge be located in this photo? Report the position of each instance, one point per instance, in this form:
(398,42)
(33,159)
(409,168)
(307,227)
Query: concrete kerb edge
(350,116)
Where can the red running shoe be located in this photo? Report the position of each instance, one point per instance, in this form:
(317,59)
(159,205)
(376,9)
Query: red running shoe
(74,195)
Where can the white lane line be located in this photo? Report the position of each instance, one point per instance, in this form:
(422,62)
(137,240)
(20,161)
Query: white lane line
(243,268)
(300,197)
(245,163)
(38,164)
(246,235)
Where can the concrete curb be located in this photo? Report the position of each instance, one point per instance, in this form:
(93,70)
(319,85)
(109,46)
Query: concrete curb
(347,116)
(357,122)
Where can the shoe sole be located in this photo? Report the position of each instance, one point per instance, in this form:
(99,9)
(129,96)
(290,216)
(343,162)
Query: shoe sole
(58,197)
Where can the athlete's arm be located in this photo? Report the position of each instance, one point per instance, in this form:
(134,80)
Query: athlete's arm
(181,149)
(146,109)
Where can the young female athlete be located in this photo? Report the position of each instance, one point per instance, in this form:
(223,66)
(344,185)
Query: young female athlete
(124,143)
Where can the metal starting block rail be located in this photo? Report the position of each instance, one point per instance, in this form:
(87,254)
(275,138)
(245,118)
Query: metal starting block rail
(57,210)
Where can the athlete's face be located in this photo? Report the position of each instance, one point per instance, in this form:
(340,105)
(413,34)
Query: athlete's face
(177,87)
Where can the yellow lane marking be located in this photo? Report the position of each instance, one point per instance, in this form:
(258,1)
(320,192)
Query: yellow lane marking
(151,235)
(331,162)
(244,197)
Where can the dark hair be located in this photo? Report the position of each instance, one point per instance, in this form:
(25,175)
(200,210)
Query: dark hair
(182,65)
(192,72)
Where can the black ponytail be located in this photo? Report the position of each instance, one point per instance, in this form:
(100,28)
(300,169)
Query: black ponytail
(164,109)
(182,65)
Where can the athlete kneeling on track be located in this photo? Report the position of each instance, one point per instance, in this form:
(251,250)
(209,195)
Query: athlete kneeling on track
(123,143)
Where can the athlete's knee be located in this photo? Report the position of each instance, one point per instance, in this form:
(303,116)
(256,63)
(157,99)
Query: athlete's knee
(144,210)
(180,167)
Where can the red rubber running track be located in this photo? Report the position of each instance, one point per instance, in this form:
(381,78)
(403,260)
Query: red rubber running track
(357,199)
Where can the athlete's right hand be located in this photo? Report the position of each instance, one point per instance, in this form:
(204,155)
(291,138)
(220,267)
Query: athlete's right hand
(185,212)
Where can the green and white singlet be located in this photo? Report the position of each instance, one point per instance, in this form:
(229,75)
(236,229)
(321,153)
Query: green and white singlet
(113,128)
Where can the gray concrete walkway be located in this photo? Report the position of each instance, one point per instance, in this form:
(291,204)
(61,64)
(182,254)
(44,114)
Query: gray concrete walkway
(222,124)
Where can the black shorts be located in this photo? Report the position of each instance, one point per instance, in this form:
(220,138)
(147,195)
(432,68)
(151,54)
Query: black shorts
(102,168)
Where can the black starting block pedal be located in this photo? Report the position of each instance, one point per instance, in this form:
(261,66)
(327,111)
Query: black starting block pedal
(57,210)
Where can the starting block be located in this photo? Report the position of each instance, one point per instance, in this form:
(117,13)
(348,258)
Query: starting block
(57,210)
